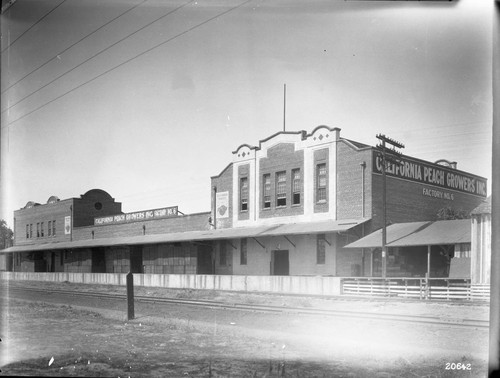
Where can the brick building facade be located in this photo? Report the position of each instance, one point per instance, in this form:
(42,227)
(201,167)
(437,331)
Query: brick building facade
(284,207)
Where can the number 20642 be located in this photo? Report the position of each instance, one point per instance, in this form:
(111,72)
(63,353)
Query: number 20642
(457,366)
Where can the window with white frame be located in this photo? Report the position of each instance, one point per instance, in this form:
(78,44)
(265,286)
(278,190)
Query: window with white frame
(244,194)
(296,186)
(266,189)
(321,182)
(281,188)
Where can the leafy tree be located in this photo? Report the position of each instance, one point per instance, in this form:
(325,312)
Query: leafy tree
(447,213)
(6,235)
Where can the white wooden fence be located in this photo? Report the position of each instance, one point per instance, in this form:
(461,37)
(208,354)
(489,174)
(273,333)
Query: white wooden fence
(421,288)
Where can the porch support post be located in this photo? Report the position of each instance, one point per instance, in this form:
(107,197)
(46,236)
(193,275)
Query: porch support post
(428,261)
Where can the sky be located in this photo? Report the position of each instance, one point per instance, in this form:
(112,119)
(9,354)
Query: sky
(147,99)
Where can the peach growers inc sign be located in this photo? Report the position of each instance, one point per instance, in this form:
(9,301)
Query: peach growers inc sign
(166,212)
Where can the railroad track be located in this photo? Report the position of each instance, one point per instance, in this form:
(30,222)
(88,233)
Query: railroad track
(414,319)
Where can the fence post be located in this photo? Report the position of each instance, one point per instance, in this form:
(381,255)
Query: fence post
(130,296)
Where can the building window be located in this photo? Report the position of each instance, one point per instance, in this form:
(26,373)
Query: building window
(321,183)
(27,231)
(281,189)
(244,194)
(222,253)
(243,252)
(320,248)
(296,186)
(53,228)
(38,230)
(31,230)
(266,189)
(41,229)
(49,228)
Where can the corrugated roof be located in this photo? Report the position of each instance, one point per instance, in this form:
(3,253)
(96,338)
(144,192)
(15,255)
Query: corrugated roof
(483,208)
(419,233)
(228,233)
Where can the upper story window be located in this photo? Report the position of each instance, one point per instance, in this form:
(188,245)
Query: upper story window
(281,188)
(53,228)
(41,229)
(244,194)
(321,183)
(31,230)
(38,230)
(320,249)
(266,189)
(296,186)
(49,228)
(27,231)
(243,252)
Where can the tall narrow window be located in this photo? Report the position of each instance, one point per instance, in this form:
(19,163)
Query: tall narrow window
(31,230)
(27,231)
(266,189)
(243,252)
(296,186)
(53,228)
(321,182)
(244,194)
(41,229)
(222,253)
(320,248)
(281,189)
(49,228)
(38,230)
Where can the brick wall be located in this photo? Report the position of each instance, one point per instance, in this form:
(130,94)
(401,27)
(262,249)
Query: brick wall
(224,183)
(191,222)
(350,176)
(42,213)
(281,157)
(407,203)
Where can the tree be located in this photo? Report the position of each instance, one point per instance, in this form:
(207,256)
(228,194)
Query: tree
(447,213)
(6,235)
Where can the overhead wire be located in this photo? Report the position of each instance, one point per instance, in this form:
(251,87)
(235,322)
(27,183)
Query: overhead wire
(97,54)
(75,43)
(130,59)
(32,26)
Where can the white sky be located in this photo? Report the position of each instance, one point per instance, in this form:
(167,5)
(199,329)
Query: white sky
(151,130)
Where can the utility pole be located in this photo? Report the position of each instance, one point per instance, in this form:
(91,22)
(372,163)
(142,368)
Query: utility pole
(388,155)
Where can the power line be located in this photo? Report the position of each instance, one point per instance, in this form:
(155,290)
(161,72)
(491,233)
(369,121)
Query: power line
(98,53)
(32,26)
(66,49)
(130,59)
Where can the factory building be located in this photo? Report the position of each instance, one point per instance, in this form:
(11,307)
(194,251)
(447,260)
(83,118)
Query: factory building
(286,206)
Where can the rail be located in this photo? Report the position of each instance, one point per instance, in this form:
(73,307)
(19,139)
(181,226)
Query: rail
(414,319)
(412,287)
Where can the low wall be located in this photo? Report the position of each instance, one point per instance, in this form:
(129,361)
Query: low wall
(272,284)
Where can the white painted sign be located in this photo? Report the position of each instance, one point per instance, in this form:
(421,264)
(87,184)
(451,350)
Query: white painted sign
(67,225)
(222,204)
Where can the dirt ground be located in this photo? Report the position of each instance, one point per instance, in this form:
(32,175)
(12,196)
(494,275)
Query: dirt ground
(89,339)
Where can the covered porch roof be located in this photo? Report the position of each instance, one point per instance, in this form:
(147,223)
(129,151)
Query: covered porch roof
(444,232)
(218,234)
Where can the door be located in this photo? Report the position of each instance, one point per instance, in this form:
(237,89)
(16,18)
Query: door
(98,261)
(136,259)
(281,265)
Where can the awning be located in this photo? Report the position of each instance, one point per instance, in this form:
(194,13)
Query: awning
(419,233)
(228,233)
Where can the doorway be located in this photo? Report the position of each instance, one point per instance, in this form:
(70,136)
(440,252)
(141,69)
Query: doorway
(280,263)
(98,261)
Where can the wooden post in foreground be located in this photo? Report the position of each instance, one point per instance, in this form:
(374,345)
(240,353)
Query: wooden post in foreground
(130,296)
